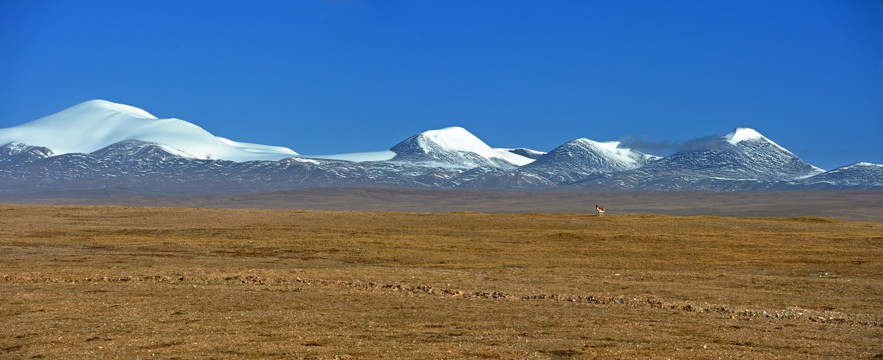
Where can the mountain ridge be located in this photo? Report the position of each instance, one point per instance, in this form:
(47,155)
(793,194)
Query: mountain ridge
(580,158)
(94,124)
(452,157)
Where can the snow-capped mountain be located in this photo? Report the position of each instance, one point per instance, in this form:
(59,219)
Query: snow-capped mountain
(860,175)
(741,157)
(579,158)
(95,124)
(765,159)
(743,154)
(103,148)
(454,147)
(16,153)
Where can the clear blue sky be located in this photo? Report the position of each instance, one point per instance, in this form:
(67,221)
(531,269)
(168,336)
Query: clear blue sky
(341,76)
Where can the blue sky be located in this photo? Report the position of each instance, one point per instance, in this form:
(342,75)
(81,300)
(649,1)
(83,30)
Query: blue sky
(339,76)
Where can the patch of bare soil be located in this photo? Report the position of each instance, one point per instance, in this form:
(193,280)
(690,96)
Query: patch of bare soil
(131,282)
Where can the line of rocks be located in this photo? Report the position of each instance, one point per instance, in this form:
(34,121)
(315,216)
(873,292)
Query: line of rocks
(823,316)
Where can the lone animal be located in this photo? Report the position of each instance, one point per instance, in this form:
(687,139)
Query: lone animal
(600,210)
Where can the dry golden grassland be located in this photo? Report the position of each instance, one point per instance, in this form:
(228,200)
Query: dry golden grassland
(141,282)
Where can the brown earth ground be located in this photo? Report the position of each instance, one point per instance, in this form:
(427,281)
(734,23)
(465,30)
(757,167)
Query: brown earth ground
(153,282)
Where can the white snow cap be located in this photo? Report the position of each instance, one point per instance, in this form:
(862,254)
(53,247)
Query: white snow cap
(95,124)
(456,138)
(612,150)
(748,134)
(744,134)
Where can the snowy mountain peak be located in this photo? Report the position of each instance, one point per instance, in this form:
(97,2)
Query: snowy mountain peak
(96,124)
(748,135)
(15,152)
(453,138)
(743,154)
(98,104)
(743,134)
(861,175)
(580,158)
(454,146)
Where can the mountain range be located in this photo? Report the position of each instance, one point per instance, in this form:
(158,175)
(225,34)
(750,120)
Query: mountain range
(109,148)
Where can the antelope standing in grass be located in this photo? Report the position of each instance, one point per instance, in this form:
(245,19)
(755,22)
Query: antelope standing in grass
(600,210)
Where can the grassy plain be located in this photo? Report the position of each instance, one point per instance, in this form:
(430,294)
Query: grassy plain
(151,282)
